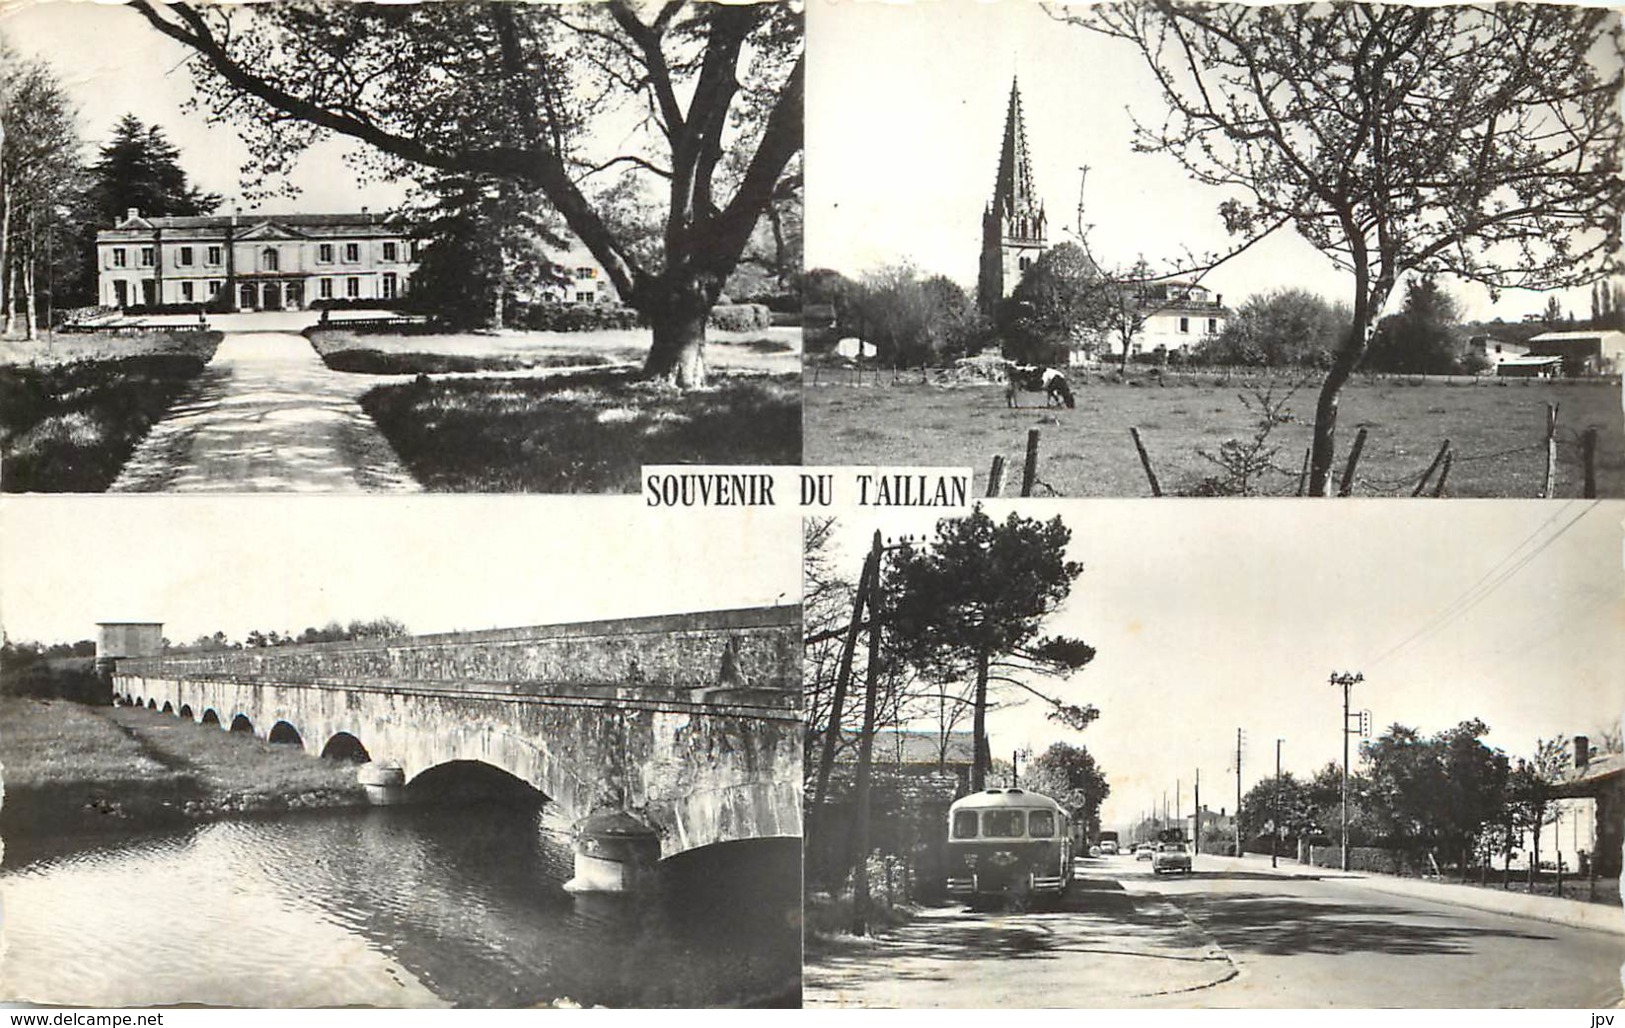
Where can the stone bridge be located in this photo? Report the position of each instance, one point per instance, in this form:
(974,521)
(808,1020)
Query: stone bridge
(652,735)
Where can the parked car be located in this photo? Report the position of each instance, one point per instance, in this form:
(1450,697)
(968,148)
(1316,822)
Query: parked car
(1108,847)
(1171,856)
(1144,852)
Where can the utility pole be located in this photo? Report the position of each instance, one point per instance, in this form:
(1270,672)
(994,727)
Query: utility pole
(1237,821)
(1347,681)
(1196,801)
(1275,832)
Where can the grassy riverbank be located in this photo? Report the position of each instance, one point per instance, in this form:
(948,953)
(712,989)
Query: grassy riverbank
(73,407)
(583,433)
(71,768)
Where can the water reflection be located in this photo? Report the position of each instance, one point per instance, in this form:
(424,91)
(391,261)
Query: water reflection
(394,906)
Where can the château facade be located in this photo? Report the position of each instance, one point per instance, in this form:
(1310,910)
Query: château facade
(261,262)
(1014,226)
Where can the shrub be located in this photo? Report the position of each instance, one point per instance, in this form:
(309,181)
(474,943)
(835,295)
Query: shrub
(740,317)
(346,303)
(165,308)
(571,317)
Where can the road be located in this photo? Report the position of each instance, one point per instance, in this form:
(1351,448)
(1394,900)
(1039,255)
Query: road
(1228,935)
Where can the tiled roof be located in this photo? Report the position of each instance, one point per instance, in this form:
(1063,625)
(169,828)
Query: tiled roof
(1583,781)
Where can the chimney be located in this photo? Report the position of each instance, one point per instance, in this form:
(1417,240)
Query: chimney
(132,213)
(1582,751)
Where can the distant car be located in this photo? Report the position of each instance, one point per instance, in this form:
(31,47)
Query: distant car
(1143,852)
(1170,857)
(1108,847)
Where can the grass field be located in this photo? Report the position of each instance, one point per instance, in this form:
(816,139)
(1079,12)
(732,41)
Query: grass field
(582,433)
(73,407)
(1496,428)
(71,768)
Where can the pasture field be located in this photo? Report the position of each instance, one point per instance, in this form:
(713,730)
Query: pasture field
(1496,428)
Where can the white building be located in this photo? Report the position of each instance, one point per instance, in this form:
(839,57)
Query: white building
(262,262)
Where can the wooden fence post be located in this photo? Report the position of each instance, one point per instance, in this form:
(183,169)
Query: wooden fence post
(1029,472)
(1550,485)
(1303,474)
(1354,462)
(995,477)
(1444,473)
(1588,454)
(1145,462)
(1437,459)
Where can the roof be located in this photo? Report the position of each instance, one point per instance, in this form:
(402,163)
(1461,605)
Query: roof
(249,226)
(1588,336)
(1534,361)
(920,748)
(1588,780)
(1004,798)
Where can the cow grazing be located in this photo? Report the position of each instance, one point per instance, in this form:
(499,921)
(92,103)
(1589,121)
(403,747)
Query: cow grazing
(1035,378)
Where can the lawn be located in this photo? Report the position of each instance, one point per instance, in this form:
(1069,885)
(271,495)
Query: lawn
(589,432)
(773,350)
(73,407)
(1496,428)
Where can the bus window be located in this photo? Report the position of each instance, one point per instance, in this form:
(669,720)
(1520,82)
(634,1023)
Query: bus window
(1041,824)
(1004,824)
(965,824)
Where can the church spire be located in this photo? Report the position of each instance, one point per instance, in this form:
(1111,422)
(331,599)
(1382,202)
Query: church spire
(1013,194)
(1013,223)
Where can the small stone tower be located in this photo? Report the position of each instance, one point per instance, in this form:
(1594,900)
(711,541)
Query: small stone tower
(1013,224)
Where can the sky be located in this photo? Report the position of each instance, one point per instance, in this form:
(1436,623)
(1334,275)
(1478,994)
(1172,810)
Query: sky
(112,63)
(1214,615)
(905,114)
(437,563)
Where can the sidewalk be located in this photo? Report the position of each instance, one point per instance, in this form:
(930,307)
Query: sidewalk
(1595,916)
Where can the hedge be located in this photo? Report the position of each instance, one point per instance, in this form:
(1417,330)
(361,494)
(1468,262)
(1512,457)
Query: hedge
(740,317)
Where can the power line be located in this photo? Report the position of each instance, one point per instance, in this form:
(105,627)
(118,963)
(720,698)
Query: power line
(1498,575)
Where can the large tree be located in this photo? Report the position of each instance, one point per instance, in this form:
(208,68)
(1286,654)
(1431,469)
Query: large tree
(970,605)
(1436,793)
(1279,328)
(139,169)
(1055,305)
(41,179)
(1481,142)
(1072,777)
(512,91)
(1423,338)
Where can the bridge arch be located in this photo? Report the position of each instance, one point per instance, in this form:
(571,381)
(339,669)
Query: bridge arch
(282,732)
(186,712)
(167,708)
(240,723)
(210,718)
(152,704)
(346,747)
(472,781)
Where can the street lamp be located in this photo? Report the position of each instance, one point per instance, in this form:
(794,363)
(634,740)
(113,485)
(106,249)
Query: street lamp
(1347,681)
(1275,829)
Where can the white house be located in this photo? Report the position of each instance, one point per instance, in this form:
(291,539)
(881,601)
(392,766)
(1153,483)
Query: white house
(264,262)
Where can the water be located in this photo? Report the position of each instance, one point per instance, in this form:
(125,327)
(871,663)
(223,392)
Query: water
(389,907)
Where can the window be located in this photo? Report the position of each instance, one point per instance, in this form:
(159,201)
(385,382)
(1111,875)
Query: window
(389,285)
(352,287)
(213,256)
(269,259)
(324,253)
(352,252)
(1023,262)
(965,824)
(1184,325)
(587,296)
(186,256)
(186,292)
(214,288)
(390,251)
(1041,824)
(586,273)
(324,288)
(1212,325)
(412,250)
(147,256)
(1004,824)
(120,259)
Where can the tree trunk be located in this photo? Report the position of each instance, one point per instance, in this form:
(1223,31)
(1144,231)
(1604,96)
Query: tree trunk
(678,318)
(978,771)
(28,284)
(5,240)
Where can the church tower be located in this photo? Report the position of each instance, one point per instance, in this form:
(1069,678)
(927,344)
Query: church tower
(1013,224)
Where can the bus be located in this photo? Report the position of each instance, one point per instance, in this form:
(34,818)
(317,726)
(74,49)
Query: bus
(1008,843)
